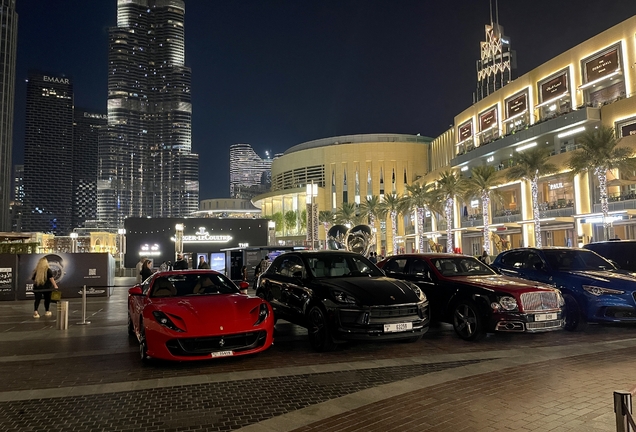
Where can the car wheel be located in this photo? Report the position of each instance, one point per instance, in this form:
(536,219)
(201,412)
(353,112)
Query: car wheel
(131,328)
(574,319)
(319,332)
(143,344)
(468,322)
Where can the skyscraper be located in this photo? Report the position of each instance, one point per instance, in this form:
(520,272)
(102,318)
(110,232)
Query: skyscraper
(249,174)
(8,46)
(146,167)
(86,130)
(494,68)
(18,198)
(48,154)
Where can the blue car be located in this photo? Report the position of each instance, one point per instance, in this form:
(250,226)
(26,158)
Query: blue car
(593,288)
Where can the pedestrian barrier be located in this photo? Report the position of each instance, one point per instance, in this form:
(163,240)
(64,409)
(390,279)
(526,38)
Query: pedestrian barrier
(623,409)
(83,322)
(61,322)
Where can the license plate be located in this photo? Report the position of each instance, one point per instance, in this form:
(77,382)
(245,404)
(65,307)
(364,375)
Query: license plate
(545,317)
(223,354)
(399,327)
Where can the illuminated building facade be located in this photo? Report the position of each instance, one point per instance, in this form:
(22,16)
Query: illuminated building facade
(494,68)
(250,175)
(146,167)
(86,130)
(8,47)
(18,198)
(48,154)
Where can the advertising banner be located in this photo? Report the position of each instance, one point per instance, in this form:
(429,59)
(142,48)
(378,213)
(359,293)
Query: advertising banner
(465,131)
(601,66)
(71,272)
(554,87)
(517,105)
(8,265)
(488,119)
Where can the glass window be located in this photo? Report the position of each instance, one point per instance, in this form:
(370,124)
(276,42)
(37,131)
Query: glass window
(395,265)
(419,267)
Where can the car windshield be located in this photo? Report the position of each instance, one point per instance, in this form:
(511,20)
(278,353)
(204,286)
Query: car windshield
(461,266)
(192,284)
(576,259)
(341,265)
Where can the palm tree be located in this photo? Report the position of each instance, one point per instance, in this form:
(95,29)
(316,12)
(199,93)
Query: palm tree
(449,185)
(422,199)
(483,179)
(326,218)
(346,214)
(392,205)
(529,166)
(371,209)
(598,153)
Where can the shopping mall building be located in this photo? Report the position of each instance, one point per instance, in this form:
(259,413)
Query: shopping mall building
(583,88)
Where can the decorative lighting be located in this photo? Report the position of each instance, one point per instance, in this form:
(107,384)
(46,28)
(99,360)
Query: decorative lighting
(596,81)
(571,132)
(526,146)
(464,168)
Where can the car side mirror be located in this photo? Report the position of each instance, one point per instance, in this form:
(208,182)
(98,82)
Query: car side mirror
(136,291)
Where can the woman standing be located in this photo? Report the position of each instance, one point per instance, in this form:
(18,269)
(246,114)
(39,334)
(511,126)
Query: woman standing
(43,285)
(146,270)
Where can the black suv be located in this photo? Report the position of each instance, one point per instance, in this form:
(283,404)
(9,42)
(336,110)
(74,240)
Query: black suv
(621,252)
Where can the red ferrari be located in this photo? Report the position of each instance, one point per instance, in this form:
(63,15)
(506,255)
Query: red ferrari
(197,315)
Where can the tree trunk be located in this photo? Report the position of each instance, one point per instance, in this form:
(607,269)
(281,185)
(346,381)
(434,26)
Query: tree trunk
(449,224)
(534,185)
(601,174)
(485,207)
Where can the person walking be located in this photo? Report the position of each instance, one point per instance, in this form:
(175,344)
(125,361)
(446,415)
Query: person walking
(146,270)
(202,264)
(43,286)
(180,263)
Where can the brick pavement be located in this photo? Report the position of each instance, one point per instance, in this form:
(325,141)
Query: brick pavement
(90,378)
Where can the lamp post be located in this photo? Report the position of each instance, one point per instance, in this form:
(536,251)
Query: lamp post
(271,233)
(312,214)
(74,242)
(178,240)
(122,246)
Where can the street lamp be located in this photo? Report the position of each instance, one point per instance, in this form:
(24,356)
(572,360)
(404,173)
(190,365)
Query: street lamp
(178,240)
(271,233)
(312,214)
(74,242)
(122,246)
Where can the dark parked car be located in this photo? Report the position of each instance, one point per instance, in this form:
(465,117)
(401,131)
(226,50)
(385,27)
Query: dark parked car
(621,252)
(593,288)
(340,296)
(475,299)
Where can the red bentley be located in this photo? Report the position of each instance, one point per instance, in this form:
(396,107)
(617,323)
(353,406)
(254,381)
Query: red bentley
(197,315)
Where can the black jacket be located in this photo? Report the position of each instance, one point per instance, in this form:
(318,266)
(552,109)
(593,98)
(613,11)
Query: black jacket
(180,264)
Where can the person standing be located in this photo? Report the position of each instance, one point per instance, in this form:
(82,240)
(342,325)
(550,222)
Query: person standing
(170,268)
(138,267)
(202,263)
(244,273)
(485,258)
(180,263)
(373,258)
(146,270)
(43,285)
(163,266)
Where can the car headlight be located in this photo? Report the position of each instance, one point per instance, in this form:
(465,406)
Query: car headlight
(343,297)
(560,298)
(165,321)
(418,292)
(263,313)
(597,291)
(508,303)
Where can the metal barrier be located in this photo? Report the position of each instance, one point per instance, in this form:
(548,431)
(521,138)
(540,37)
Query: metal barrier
(83,322)
(623,409)
(61,322)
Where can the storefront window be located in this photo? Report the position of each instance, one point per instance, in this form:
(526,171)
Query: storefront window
(557,193)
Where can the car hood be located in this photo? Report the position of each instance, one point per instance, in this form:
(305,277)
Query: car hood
(374,291)
(602,277)
(502,283)
(209,314)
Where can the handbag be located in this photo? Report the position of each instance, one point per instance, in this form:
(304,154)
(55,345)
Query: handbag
(56,295)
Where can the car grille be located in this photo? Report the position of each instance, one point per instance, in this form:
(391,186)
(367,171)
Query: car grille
(543,325)
(207,345)
(538,301)
(383,314)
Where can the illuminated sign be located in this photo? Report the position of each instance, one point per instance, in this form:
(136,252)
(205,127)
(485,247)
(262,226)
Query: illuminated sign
(602,66)
(629,129)
(554,87)
(56,80)
(148,251)
(465,131)
(599,219)
(96,116)
(488,119)
(517,105)
(202,236)
(554,186)
(474,203)
(243,245)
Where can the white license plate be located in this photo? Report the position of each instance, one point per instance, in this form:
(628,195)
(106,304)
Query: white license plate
(223,354)
(399,327)
(545,317)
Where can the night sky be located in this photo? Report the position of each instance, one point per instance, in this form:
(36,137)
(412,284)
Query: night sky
(276,73)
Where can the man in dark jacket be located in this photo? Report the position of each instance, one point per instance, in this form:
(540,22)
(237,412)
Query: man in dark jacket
(180,263)
(202,263)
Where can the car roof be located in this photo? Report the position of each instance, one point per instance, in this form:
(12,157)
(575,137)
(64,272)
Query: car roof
(428,255)
(188,271)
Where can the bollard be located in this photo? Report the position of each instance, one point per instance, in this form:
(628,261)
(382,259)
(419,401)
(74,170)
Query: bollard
(623,411)
(84,322)
(61,322)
